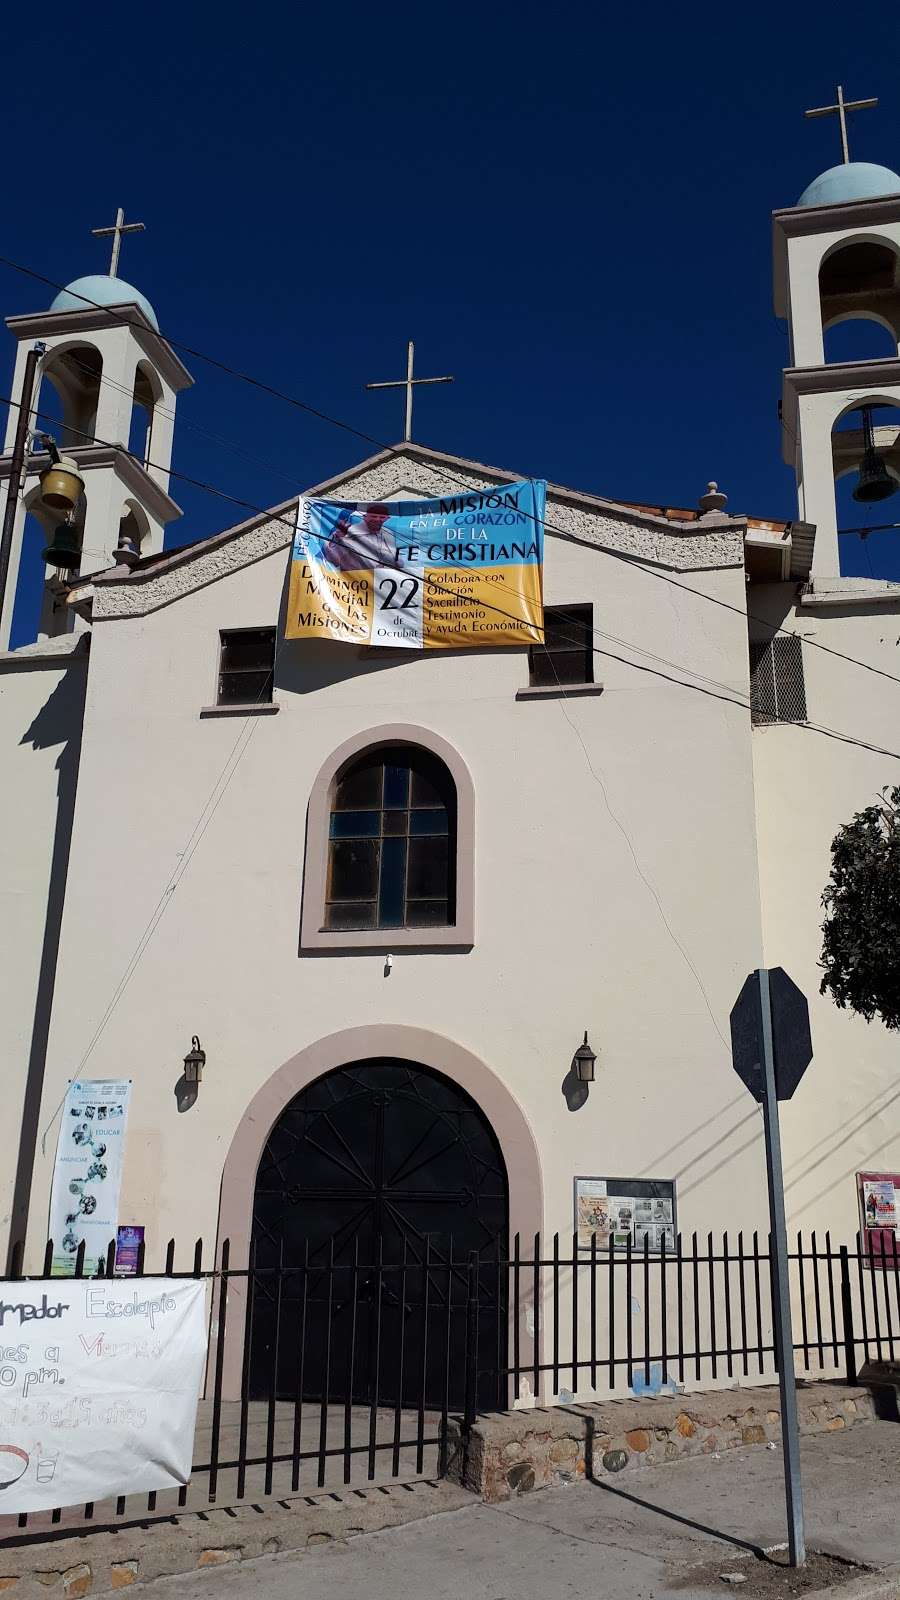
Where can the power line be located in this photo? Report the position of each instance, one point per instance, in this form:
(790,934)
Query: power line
(677,666)
(729,692)
(183,422)
(241,744)
(248,505)
(199,355)
(323,416)
(614,817)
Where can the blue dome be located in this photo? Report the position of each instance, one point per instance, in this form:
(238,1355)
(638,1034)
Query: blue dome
(853,180)
(102,291)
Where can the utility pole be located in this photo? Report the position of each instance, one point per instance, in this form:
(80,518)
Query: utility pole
(16,465)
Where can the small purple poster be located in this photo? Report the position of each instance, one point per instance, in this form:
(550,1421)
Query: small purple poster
(128,1244)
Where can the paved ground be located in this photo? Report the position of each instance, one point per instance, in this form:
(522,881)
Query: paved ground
(629,1543)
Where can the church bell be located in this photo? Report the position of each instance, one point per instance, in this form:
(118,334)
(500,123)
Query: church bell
(61,484)
(63,550)
(874,482)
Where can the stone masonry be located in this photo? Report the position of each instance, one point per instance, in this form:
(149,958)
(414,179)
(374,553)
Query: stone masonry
(514,1451)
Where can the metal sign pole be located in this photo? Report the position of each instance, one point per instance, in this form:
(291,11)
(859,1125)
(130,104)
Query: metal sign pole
(781,1301)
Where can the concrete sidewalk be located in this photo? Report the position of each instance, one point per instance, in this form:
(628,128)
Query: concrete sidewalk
(669,1530)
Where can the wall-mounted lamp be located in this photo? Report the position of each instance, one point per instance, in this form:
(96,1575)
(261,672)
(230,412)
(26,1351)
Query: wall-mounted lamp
(583,1062)
(194,1062)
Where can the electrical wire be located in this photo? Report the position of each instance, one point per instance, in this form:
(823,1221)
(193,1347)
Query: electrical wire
(680,667)
(616,819)
(323,416)
(447,589)
(242,742)
(289,525)
(183,422)
(241,745)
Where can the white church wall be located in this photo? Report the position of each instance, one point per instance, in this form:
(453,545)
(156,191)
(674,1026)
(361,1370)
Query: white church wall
(41,704)
(568,934)
(845,1116)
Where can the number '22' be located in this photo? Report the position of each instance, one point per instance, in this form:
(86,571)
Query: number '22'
(390,586)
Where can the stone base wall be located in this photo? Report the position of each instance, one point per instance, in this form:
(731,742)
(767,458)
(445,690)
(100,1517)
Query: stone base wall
(105,1559)
(513,1451)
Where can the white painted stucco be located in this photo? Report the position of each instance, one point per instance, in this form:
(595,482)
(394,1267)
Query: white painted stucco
(637,853)
(607,829)
(41,709)
(845,1117)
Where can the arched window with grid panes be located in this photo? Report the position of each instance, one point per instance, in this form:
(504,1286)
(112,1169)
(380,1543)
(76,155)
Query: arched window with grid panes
(392,842)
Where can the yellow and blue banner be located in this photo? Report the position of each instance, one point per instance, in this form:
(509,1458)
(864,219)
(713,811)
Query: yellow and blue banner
(465,570)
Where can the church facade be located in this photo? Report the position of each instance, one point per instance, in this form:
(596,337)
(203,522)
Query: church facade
(599,838)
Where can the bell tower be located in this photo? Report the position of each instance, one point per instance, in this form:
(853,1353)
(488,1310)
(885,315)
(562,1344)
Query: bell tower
(837,258)
(106,389)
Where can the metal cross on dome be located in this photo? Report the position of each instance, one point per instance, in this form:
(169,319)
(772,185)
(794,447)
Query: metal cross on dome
(408,383)
(840,111)
(119,227)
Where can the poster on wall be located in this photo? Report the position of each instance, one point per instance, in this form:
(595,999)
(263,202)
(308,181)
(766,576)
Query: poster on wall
(625,1211)
(592,1215)
(462,571)
(128,1250)
(879,1213)
(87,1176)
(99,1385)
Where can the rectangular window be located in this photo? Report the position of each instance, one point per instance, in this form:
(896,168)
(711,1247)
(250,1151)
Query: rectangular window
(777,688)
(567,655)
(246,666)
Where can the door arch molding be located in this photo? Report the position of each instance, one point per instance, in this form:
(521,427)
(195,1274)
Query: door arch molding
(416,1045)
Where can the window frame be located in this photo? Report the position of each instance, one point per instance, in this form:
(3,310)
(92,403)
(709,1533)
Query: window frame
(259,700)
(315,938)
(393,827)
(582,611)
(764,663)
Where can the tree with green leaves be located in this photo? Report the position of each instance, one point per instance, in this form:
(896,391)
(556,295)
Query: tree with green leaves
(861,946)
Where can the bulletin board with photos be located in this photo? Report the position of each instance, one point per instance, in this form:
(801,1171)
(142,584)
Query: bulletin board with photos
(619,1211)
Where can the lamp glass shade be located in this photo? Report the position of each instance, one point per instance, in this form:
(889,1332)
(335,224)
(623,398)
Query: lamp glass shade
(194,1062)
(583,1062)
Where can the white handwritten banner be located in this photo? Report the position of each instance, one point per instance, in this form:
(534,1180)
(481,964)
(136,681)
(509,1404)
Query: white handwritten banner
(88,1173)
(99,1382)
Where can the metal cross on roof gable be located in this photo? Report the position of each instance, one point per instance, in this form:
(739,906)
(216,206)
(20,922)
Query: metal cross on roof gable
(408,383)
(119,227)
(840,110)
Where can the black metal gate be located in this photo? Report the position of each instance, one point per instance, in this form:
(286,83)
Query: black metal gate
(378,1185)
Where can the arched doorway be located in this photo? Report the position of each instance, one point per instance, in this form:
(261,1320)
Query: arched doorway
(380,1188)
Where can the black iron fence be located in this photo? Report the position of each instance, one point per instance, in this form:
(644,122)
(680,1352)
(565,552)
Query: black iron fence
(595,1319)
(330,1372)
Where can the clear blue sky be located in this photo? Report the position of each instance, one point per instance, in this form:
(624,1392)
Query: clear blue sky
(565,206)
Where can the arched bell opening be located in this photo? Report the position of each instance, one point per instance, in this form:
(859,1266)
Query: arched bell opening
(865,448)
(147,395)
(859,337)
(134,528)
(69,395)
(41,607)
(859,292)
